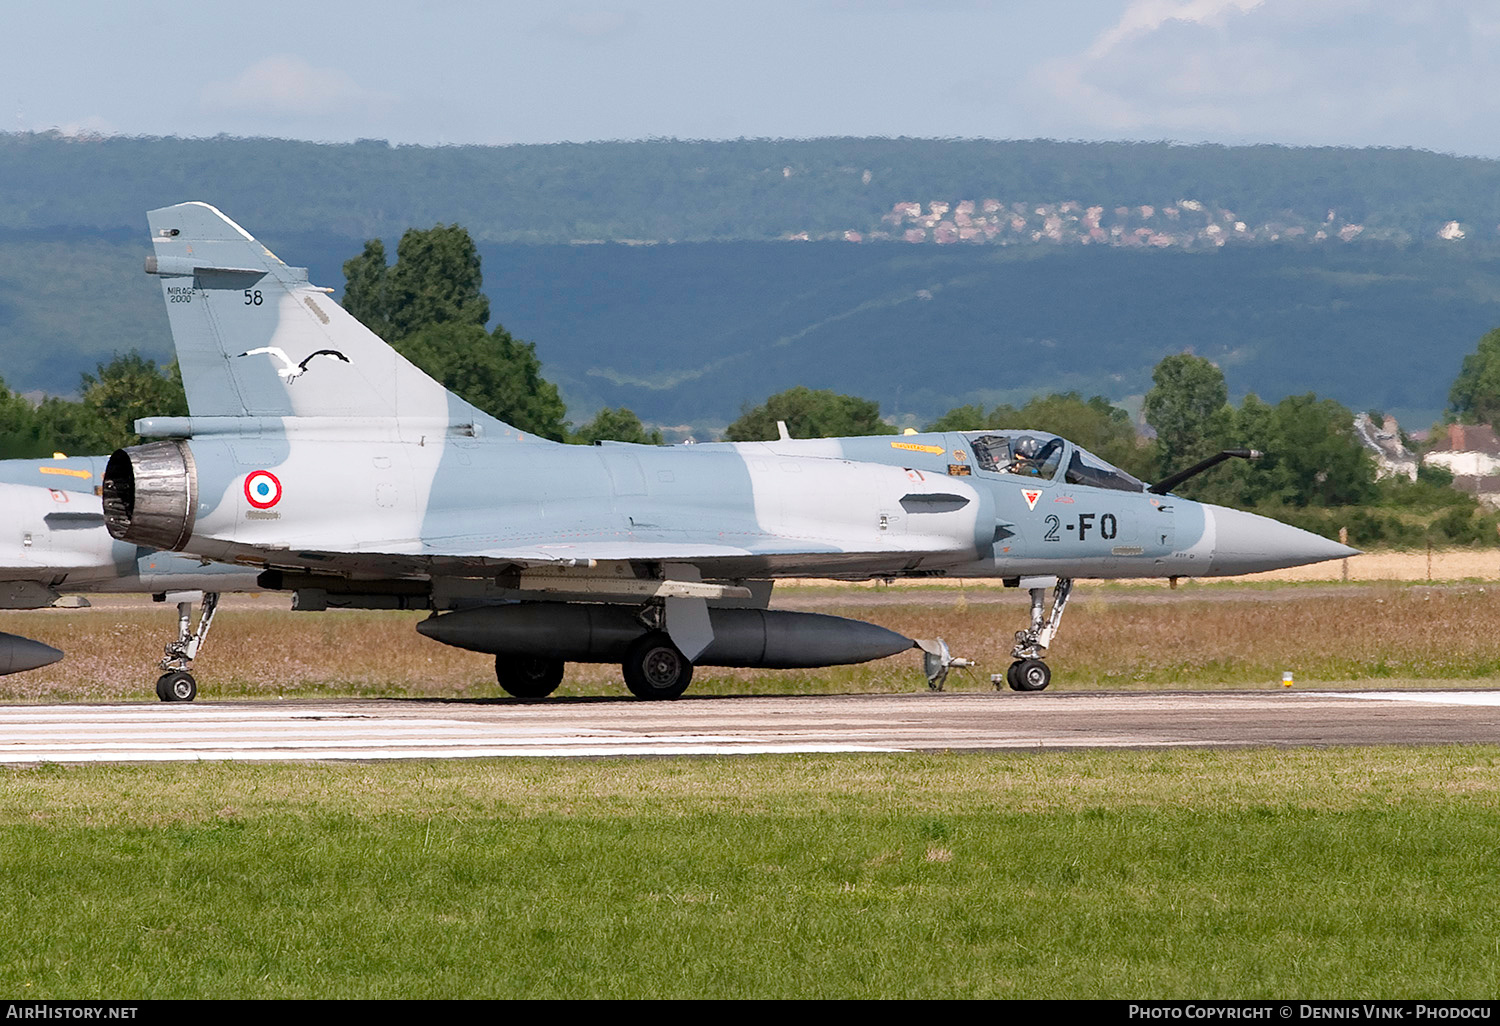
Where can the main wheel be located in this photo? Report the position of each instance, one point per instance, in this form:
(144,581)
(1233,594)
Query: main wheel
(1029,675)
(176,686)
(654,668)
(528,676)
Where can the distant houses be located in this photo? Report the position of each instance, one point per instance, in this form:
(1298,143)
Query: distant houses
(1186,224)
(1392,457)
(1471,453)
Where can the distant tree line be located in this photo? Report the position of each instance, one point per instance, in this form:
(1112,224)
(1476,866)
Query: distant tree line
(111,399)
(1314,473)
(695,190)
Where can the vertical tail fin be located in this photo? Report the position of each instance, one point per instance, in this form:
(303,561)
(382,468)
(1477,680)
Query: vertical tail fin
(255,339)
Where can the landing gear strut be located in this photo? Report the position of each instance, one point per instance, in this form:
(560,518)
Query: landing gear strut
(176,684)
(1029,672)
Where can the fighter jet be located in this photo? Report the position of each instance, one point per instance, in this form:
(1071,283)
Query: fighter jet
(361,482)
(54,545)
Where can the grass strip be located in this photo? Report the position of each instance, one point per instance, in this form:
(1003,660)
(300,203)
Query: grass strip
(1333,873)
(1199,639)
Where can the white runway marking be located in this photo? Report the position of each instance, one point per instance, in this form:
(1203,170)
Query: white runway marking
(196,733)
(1490,698)
(325,754)
(353,729)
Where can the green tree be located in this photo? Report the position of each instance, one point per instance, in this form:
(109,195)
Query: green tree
(1475,395)
(809,414)
(65,425)
(21,432)
(621,425)
(971,418)
(122,391)
(1317,460)
(436,279)
(365,280)
(1094,423)
(1188,406)
(497,373)
(1238,482)
(115,396)
(431,306)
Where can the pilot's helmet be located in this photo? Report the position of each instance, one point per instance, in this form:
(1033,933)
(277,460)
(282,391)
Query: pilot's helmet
(1026,447)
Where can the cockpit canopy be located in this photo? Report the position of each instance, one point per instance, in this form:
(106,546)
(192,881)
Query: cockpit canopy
(1040,455)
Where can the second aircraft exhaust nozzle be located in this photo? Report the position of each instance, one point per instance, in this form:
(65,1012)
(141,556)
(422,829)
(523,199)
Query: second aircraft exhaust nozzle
(1246,543)
(18,654)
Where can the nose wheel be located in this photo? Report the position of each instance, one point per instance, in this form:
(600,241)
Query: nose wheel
(1029,672)
(1028,675)
(177,686)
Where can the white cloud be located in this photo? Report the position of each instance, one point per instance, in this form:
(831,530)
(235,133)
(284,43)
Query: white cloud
(1336,71)
(287,85)
(1144,16)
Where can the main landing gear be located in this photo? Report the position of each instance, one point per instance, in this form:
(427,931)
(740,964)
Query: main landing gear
(1029,672)
(528,676)
(654,668)
(176,684)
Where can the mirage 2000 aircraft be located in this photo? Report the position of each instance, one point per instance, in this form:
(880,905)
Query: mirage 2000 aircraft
(53,545)
(318,455)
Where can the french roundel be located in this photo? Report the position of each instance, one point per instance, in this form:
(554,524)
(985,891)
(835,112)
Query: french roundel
(262,489)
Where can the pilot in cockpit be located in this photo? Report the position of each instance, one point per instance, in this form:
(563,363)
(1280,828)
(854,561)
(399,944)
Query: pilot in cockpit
(1033,459)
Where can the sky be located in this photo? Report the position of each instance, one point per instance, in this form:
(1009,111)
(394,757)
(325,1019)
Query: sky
(1417,73)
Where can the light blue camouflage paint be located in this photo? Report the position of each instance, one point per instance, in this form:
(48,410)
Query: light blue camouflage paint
(394,485)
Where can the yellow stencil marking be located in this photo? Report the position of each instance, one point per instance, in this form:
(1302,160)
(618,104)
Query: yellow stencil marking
(913,447)
(66,472)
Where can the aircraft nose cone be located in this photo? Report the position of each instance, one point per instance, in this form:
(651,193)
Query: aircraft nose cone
(18,654)
(1245,543)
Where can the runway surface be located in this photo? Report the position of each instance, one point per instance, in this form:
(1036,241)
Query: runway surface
(423,729)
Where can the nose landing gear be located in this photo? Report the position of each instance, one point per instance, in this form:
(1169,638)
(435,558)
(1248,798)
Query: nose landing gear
(1029,672)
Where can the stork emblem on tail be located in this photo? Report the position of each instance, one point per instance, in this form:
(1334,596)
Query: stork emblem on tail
(289,371)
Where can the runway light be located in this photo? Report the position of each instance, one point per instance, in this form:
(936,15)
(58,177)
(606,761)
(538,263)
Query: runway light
(1286,678)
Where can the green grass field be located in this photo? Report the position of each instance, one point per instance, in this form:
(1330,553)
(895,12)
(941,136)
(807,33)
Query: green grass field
(1309,873)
